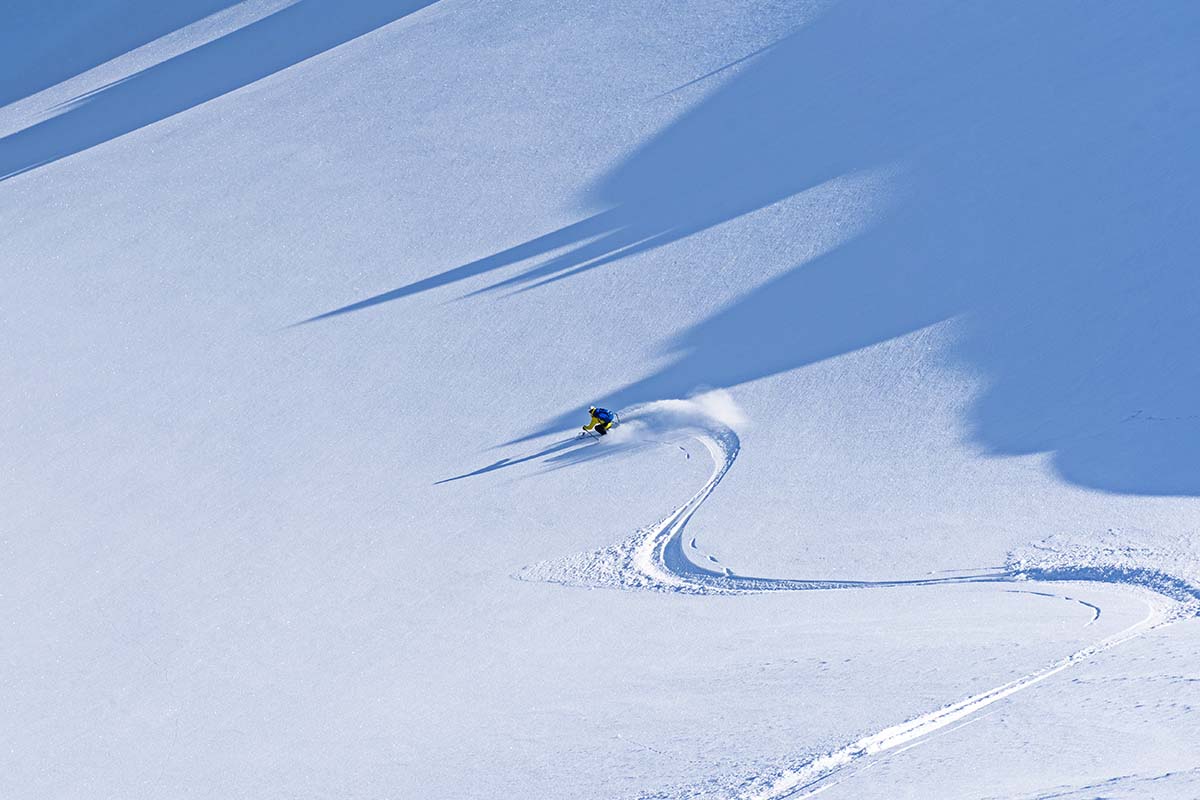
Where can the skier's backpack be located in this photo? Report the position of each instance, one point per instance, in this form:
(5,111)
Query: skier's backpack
(604,415)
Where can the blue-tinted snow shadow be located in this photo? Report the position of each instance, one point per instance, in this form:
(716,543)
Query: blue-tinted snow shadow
(563,453)
(561,447)
(45,42)
(1048,197)
(276,42)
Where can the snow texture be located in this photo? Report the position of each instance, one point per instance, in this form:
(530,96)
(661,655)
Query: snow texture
(304,303)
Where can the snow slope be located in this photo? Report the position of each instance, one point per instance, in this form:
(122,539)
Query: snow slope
(304,300)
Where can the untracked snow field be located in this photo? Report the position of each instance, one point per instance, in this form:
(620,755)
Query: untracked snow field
(304,303)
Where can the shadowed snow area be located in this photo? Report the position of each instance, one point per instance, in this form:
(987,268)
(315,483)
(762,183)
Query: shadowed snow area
(304,304)
(286,37)
(1047,187)
(44,42)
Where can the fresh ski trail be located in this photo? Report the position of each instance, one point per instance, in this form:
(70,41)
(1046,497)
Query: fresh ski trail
(813,777)
(654,559)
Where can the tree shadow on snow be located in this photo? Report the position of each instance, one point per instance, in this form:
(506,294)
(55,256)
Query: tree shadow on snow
(45,42)
(1048,198)
(276,42)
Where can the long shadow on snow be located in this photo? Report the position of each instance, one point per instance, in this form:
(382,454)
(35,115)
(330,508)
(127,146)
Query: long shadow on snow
(573,443)
(281,40)
(1048,196)
(1050,190)
(560,454)
(45,42)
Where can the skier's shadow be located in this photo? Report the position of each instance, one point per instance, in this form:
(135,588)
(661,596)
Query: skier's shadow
(510,462)
(561,448)
(560,454)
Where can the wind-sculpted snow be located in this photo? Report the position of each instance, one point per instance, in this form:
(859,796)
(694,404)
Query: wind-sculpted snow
(655,559)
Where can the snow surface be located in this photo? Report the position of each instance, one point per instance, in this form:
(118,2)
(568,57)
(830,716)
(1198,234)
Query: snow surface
(304,301)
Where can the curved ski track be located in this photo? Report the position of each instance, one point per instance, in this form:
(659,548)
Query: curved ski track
(654,559)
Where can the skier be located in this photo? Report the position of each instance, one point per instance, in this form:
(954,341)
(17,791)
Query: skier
(602,420)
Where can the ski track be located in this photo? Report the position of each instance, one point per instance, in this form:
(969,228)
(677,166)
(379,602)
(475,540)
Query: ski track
(1093,608)
(654,559)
